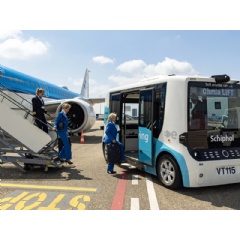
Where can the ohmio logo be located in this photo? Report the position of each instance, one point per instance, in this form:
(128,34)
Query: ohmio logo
(143,136)
(221,138)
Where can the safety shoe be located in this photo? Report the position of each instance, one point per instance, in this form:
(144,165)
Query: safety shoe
(69,162)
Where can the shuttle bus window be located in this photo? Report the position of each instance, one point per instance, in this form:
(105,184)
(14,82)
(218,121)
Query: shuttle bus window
(158,109)
(145,113)
(215,111)
(130,103)
(115,106)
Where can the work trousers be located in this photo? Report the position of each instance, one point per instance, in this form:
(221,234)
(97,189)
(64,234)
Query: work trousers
(65,152)
(42,123)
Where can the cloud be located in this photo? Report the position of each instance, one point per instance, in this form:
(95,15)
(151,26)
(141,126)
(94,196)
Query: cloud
(122,80)
(132,72)
(102,60)
(16,47)
(9,34)
(166,67)
(132,66)
(96,89)
(170,66)
(138,70)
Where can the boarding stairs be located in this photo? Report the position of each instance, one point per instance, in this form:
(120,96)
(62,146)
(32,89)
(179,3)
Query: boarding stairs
(22,143)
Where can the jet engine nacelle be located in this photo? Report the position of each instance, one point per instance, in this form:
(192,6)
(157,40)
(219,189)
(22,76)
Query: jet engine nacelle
(81,116)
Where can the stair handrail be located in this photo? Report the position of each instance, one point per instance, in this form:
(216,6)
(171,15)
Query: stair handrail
(25,108)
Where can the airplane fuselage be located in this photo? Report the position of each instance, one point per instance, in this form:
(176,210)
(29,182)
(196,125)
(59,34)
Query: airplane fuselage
(23,83)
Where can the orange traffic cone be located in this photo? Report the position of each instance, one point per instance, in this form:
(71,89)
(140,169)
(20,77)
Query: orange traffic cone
(82,137)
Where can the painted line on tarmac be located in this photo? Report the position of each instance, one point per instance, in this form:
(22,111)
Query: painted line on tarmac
(48,187)
(151,193)
(119,195)
(134,203)
(134,179)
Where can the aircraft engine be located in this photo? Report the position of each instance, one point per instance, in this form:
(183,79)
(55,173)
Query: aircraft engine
(81,116)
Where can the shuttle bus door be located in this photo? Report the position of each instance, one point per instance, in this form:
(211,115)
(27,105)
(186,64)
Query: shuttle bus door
(145,127)
(115,107)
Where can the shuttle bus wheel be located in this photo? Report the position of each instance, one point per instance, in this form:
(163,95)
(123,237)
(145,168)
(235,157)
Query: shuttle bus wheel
(168,172)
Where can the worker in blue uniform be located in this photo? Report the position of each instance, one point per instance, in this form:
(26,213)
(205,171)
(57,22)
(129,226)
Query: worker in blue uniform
(61,126)
(110,137)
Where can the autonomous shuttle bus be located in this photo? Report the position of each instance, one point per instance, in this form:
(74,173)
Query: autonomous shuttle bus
(172,127)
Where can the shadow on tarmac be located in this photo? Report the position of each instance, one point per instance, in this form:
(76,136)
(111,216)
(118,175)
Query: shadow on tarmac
(219,196)
(38,173)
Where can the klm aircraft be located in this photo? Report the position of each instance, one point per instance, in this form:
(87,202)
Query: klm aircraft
(81,115)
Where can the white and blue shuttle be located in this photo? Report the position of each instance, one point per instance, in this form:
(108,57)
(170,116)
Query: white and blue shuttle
(176,135)
(81,116)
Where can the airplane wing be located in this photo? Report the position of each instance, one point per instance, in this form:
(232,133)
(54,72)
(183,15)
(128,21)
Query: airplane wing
(96,100)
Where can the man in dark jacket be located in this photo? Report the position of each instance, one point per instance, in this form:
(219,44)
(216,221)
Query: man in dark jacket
(38,110)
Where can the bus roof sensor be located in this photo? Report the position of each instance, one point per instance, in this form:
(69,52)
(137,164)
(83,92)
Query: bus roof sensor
(221,78)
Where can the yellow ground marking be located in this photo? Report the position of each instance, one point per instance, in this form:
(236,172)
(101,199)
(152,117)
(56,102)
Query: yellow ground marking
(21,201)
(48,187)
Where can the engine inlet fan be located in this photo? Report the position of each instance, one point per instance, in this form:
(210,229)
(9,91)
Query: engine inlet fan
(75,116)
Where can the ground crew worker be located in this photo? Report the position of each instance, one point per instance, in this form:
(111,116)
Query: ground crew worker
(61,126)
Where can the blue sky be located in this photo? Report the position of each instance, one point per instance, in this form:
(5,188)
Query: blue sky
(51,52)
(119,57)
